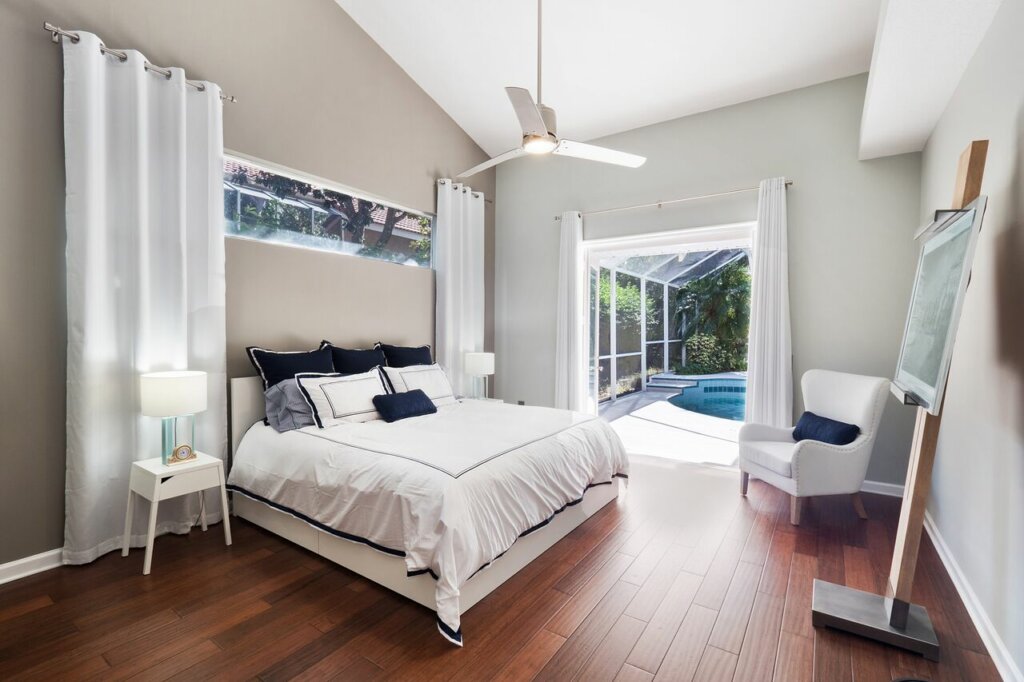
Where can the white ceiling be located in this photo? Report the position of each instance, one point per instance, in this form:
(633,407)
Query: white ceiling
(921,52)
(612,65)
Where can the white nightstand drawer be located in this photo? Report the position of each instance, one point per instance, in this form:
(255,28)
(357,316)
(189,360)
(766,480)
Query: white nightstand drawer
(189,482)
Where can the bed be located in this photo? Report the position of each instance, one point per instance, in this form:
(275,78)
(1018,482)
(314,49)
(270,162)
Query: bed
(441,508)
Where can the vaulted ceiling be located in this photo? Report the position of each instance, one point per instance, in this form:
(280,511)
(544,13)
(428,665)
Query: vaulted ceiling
(611,65)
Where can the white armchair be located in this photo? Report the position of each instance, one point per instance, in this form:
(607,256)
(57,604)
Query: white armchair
(808,468)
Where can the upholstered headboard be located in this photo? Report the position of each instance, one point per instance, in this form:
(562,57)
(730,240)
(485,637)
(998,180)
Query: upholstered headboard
(290,298)
(248,406)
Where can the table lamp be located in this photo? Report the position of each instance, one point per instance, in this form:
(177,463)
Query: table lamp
(176,397)
(480,365)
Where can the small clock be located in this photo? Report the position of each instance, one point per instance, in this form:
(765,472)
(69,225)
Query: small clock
(180,454)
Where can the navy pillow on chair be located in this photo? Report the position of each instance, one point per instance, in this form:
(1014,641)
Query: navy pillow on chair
(276,366)
(350,361)
(405,356)
(395,406)
(814,427)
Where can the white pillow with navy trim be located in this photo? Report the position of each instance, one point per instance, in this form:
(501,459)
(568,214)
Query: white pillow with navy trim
(339,399)
(430,379)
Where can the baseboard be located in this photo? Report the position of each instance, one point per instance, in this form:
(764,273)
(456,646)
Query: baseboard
(882,488)
(20,568)
(993,642)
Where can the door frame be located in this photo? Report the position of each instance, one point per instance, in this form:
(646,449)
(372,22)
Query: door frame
(732,235)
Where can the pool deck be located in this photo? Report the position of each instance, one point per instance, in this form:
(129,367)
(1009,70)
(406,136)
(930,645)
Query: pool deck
(650,425)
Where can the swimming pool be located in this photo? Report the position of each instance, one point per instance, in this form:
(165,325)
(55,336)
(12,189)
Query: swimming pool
(723,398)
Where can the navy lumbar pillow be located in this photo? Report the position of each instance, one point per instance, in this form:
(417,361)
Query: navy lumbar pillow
(355,361)
(815,427)
(276,366)
(405,356)
(395,406)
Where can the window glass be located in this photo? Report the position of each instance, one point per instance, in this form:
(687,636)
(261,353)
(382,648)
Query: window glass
(627,314)
(655,311)
(604,345)
(627,374)
(655,358)
(265,205)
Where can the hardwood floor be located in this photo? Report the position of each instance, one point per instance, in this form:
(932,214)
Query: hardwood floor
(680,579)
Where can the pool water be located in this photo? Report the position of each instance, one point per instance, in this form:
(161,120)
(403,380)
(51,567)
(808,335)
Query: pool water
(723,398)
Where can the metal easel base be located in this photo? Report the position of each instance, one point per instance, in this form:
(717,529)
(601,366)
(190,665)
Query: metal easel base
(867,615)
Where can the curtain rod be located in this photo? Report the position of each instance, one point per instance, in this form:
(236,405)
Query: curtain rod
(659,204)
(56,32)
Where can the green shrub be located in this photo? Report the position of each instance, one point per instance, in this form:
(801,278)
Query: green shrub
(704,356)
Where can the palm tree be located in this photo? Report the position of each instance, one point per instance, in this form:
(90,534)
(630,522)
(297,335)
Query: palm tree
(718,305)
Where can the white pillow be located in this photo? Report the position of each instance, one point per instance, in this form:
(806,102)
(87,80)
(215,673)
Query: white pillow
(338,399)
(430,379)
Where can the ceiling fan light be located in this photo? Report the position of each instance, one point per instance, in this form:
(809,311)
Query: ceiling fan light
(537,144)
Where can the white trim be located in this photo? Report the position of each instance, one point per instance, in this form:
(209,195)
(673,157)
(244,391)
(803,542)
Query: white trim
(37,563)
(882,488)
(989,635)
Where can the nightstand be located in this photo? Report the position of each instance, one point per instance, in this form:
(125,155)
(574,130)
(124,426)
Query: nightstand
(155,481)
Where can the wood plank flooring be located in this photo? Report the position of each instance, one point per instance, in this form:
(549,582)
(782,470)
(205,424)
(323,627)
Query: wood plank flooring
(680,579)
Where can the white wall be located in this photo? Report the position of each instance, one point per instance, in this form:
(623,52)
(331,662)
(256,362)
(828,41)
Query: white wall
(977,500)
(851,254)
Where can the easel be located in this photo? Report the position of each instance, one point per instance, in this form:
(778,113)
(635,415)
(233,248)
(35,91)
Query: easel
(893,619)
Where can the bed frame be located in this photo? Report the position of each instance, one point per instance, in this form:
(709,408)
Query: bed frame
(247,408)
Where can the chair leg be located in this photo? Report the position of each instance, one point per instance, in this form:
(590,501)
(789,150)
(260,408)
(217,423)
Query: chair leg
(858,505)
(744,479)
(795,504)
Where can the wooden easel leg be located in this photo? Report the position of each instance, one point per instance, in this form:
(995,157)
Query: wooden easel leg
(858,505)
(744,480)
(795,504)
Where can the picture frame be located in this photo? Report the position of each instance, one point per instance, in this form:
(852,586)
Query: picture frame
(936,302)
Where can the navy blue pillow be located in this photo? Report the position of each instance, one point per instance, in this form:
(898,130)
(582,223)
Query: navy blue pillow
(814,427)
(352,361)
(405,356)
(395,406)
(276,366)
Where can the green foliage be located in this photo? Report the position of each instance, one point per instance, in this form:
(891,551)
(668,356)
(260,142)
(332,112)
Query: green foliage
(716,308)
(704,356)
(628,300)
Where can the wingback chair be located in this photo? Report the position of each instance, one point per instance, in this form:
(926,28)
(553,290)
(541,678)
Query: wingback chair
(808,468)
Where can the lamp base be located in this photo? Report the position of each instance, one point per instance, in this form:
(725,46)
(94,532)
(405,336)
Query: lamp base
(177,439)
(867,615)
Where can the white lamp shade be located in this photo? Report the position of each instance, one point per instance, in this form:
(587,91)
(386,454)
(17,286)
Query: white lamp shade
(172,394)
(479,364)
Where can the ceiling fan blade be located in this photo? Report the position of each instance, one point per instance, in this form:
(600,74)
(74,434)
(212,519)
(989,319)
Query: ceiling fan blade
(500,158)
(590,152)
(529,116)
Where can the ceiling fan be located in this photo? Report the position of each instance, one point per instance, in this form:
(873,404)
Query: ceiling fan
(540,130)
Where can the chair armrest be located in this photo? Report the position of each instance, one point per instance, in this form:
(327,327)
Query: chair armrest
(824,469)
(750,432)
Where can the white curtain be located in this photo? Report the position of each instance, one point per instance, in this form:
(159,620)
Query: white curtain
(571,323)
(145,280)
(459,261)
(770,364)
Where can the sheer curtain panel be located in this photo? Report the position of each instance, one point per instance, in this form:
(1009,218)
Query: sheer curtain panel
(459,259)
(770,360)
(571,322)
(145,280)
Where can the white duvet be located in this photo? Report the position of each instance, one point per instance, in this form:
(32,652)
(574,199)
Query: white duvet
(450,491)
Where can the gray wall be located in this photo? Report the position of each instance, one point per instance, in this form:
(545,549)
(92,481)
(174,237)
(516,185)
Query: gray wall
(977,499)
(316,94)
(356,305)
(851,260)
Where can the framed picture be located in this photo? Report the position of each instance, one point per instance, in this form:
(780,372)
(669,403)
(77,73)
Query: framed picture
(943,271)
